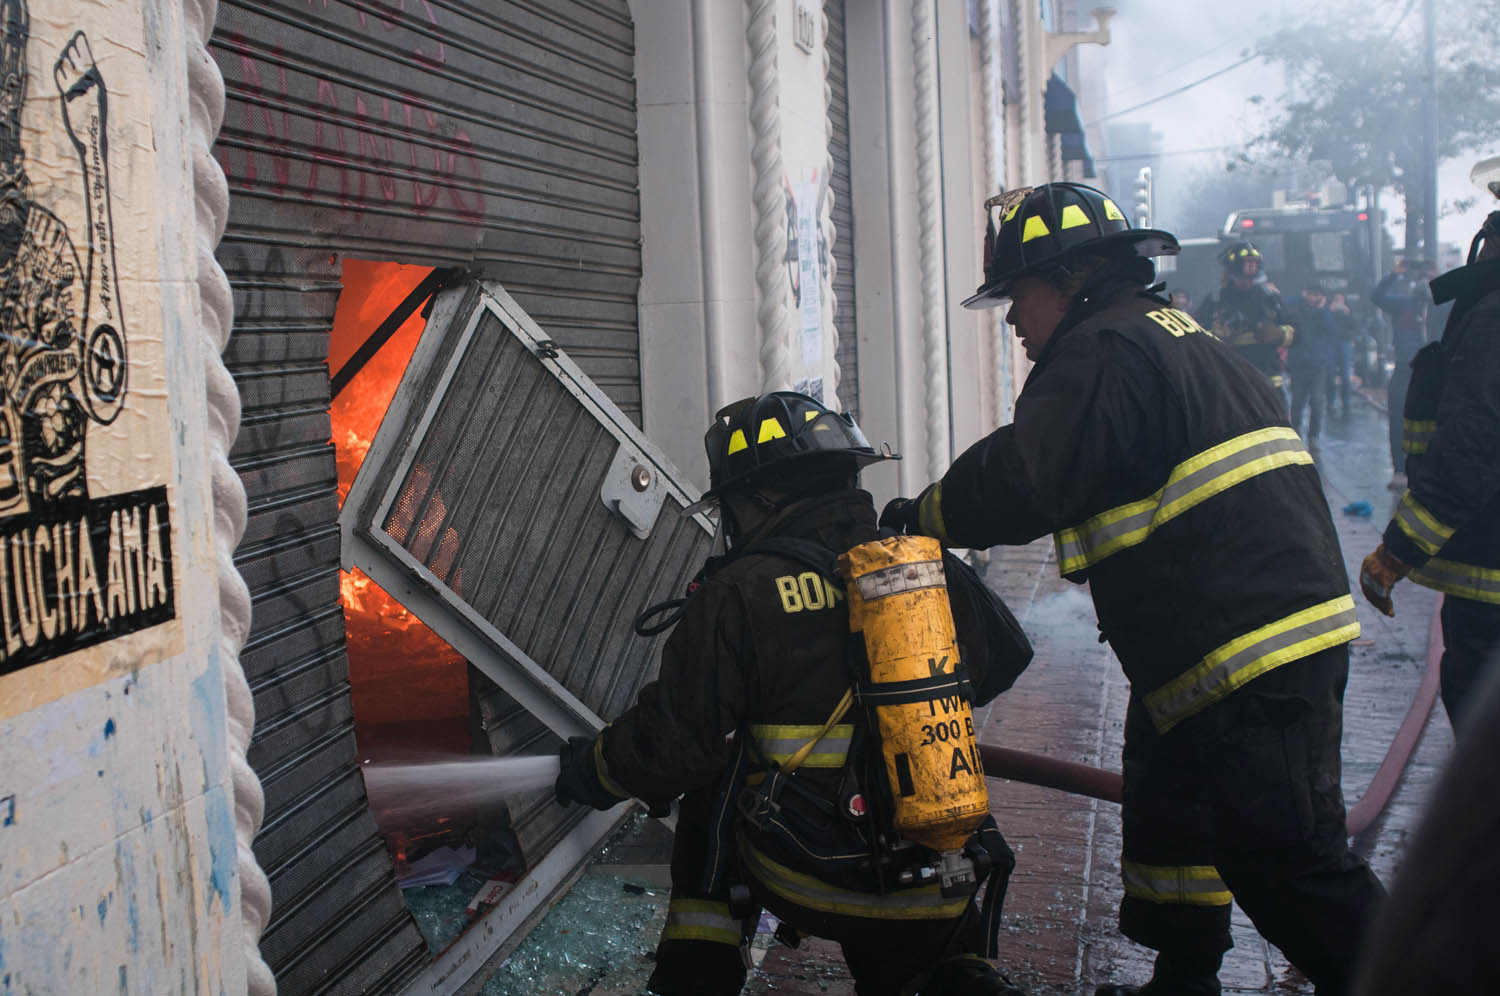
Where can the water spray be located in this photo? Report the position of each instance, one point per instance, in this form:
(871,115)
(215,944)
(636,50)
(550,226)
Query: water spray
(457,783)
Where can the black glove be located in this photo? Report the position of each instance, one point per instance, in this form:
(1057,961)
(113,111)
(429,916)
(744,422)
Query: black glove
(900,515)
(578,781)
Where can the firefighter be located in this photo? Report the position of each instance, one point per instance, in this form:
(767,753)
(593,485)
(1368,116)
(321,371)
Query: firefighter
(1166,471)
(757,668)
(1445,533)
(1249,314)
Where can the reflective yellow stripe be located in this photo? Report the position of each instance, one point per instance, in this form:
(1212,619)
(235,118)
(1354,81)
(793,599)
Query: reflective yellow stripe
(701,920)
(1417,435)
(1244,658)
(1111,212)
(781,743)
(1482,584)
(601,768)
(1420,525)
(1073,217)
(770,429)
(1035,228)
(921,903)
(1194,885)
(1191,483)
(930,515)
(737,442)
(1277,380)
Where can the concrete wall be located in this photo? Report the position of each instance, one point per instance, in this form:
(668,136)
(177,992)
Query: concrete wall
(118,849)
(700,337)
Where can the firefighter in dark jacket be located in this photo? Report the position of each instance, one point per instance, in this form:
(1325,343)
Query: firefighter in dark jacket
(1250,316)
(755,671)
(1165,469)
(1446,530)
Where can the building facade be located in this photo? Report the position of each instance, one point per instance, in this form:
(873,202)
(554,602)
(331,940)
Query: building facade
(491,269)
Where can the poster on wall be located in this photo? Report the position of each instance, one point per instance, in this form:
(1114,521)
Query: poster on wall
(87,577)
(804,153)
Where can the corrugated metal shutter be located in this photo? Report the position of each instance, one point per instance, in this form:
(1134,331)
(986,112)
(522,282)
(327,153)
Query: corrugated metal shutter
(500,137)
(485,505)
(843,209)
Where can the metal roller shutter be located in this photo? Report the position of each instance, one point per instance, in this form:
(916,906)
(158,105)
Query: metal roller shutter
(500,137)
(843,209)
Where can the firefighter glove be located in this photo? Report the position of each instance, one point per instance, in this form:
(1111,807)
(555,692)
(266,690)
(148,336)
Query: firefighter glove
(900,515)
(1378,575)
(578,779)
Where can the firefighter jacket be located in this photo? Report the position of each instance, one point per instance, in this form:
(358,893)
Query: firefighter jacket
(1447,524)
(760,652)
(1166,471)
(1236,315)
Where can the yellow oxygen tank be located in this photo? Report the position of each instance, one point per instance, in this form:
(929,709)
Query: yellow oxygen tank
(898,601)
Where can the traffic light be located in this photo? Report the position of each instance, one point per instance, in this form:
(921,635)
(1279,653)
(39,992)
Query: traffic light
(1144,197)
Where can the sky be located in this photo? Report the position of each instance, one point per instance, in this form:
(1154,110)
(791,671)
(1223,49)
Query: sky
(1157,46)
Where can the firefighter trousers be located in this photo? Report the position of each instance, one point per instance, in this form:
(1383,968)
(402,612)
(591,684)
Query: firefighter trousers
(1471,641)
(1243,803)
(704,945)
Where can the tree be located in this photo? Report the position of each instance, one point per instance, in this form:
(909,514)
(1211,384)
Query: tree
(1357,79)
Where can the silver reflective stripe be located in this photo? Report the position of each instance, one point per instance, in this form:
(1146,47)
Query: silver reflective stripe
(1191,482)
(1195,885)
(925,902)
(1420,525)
(778,743)
(900,578)
(1231,665)
(1482,584)
(701,920)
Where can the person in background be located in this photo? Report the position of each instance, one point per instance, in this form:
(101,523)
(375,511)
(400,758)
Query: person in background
(1309,359)
(1249,314)
(1402,294)
(1165,470)
(1446,530)
(1181,300)
(1340,381)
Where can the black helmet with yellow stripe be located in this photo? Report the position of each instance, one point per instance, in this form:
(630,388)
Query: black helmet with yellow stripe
(1232,257)
(1033,230)
(759,439)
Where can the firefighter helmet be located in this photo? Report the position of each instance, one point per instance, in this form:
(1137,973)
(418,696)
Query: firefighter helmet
(1233,256)
(1032,230)
(755,439)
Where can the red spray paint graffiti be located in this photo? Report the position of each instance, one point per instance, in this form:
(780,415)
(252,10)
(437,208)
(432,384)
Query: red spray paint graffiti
(309,129)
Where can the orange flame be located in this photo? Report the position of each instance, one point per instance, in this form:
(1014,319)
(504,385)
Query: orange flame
(400,671)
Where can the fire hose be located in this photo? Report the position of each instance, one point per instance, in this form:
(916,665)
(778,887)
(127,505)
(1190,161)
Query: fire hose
(1084,779)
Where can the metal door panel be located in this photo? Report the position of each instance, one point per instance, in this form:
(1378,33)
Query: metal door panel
(479,506)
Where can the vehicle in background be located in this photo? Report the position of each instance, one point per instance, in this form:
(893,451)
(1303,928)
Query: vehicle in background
(1332,248)
(1300,246)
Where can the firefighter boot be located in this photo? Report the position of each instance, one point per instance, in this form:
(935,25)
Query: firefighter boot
(1175,975)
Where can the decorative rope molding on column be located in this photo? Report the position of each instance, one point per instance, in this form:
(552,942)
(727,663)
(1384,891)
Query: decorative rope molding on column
(216,307)
(994,182)
(1025,116)
(830,230)
(929,208)
(770,201)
